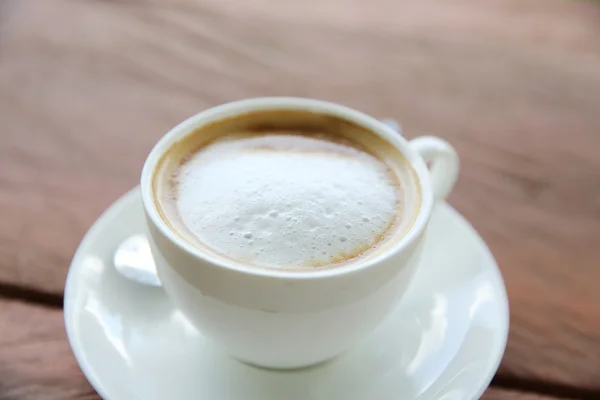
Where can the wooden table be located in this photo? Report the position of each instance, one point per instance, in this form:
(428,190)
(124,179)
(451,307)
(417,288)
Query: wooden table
(86,88)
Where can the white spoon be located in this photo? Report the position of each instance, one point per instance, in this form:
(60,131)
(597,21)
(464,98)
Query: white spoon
(133,259)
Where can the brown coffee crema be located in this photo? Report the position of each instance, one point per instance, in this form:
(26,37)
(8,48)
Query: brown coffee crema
(287,189)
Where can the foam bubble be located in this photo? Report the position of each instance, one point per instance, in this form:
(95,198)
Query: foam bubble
(283,201)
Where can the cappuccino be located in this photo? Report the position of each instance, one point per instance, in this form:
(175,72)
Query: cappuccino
(286,189)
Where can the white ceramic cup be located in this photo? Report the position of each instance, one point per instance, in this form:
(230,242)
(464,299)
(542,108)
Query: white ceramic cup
(289,319)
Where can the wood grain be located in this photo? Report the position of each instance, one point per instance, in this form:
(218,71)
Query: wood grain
(35,359)
(36,362)
(86,88)
(501,394)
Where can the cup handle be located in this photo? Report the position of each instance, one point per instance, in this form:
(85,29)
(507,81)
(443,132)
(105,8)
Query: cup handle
(443,163)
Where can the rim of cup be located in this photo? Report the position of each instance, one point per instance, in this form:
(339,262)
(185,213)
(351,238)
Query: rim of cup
(238,107)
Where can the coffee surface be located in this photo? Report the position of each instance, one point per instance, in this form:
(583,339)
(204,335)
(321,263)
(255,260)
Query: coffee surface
(287,198)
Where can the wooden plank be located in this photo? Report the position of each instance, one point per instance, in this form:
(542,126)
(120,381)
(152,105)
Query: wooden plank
(503,394)
(87,87)
(35,359)
(37,364)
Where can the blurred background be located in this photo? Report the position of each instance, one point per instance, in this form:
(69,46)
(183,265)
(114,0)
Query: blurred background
(88,86)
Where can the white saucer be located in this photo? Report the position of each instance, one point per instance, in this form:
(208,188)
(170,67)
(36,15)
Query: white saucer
(445,341)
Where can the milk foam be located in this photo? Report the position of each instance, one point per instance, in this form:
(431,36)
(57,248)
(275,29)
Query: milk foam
(286,201)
